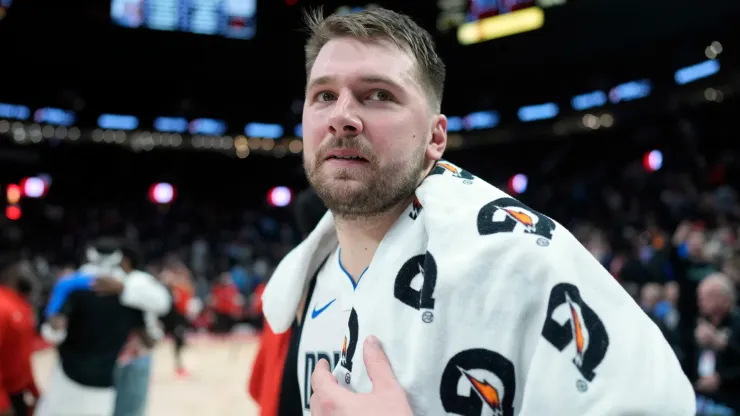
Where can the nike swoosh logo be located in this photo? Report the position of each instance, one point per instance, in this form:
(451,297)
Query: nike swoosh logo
(317,312)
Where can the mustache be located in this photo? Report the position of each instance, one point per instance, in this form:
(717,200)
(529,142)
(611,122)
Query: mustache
(352,142)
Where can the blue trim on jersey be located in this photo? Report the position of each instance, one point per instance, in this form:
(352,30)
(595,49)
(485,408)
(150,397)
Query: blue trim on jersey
(65,286)
(349,276)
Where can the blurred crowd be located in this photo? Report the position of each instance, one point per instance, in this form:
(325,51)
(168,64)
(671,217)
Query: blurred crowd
(670,238)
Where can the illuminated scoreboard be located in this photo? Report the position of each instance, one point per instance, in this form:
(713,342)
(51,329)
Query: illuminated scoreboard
(481,20)
(480,9)
(228,18)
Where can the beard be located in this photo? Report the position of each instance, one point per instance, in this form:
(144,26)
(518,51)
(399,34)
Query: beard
(368,190)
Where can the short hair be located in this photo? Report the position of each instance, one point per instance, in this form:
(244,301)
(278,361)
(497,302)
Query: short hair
(723,283)
(375,24)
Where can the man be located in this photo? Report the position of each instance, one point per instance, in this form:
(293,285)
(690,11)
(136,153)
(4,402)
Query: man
(717,336)
(273,384)
(91,329)
(227,305)
(482,305)
(133,372)
(186,306)
(18,390)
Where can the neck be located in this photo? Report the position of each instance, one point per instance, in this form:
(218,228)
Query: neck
(359,238)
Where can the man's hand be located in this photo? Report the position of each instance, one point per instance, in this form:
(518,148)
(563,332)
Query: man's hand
(58,322)
(386,398)
(720,339)
(104,286)
(708,384)
(705,334)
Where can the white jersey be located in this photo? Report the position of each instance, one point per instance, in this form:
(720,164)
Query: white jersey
(324,323)
(487,307)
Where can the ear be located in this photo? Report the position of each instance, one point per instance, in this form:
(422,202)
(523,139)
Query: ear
(438,142)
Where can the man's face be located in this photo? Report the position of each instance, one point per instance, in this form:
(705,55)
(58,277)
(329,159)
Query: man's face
(706,299)
(369,133)
(711,300)
(695,244)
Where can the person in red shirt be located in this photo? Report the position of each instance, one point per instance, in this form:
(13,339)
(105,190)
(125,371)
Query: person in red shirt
(177,277)
(18,391)
(226,303)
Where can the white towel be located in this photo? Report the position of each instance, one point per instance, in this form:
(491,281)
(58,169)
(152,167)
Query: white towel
(485,306)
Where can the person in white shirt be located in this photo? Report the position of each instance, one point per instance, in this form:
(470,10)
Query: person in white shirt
(441,293)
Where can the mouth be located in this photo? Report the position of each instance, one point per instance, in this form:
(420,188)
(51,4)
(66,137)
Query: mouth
(346,155)
(349,158)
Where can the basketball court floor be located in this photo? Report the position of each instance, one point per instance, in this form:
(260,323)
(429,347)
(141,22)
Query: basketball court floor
(217,385)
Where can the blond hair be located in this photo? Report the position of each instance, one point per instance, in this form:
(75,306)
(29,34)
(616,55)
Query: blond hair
(375,24)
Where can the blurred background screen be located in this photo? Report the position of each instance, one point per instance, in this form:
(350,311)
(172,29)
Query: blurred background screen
(228,18)
(177,123)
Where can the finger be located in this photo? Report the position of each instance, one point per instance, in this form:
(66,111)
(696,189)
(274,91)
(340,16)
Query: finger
(376,362)
(322,379)
(327,394)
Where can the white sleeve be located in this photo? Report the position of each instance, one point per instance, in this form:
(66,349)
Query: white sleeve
(596,352)
(142,291)
(51,335)
(151,324)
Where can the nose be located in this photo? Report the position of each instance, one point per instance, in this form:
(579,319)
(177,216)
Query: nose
(344,120)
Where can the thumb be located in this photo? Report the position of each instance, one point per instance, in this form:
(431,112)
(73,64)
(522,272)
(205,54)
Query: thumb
(322,378)
(376,362)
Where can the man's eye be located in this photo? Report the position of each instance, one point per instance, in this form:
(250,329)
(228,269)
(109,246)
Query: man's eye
(380,95)
(324,96)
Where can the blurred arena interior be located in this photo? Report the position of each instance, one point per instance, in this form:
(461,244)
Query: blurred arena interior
(619,119)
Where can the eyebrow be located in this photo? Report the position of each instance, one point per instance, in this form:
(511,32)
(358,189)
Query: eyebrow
(366,79)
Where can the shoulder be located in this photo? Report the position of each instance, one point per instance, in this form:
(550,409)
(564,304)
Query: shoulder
(456,198)
(140,275)
(470,212)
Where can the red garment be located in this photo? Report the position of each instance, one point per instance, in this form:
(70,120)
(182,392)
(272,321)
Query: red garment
(257,304)
(17,337)
(266,380)
(226,299)
(181,295)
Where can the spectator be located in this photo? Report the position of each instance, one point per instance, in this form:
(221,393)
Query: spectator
(717,336)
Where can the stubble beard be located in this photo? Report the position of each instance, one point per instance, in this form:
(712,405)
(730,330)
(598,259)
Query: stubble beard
(370,191)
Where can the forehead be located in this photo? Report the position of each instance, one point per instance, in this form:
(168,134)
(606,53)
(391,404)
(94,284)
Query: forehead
(709,287)
(348,59)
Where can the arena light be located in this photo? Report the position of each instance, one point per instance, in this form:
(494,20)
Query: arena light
(34,187)
(695,72)
(14,111)
(171,124)
(118,122)
(588,100)
(13,212)
(633,90)
(280,196)
(207,127)
(652,160)
(538,112)
(518,183)
(55,116)
(162,193)
(266,131)
(480,120)
(13,192)
(494,27)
